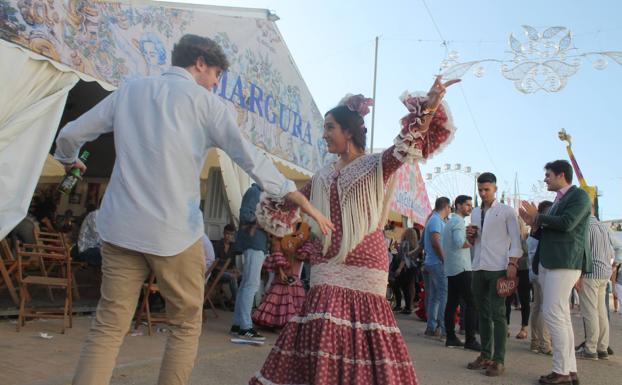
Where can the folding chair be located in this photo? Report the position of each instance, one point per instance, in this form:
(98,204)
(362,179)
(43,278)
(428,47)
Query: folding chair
(144,312)
(39,254)
(212,284)
(58,239)
(8,269)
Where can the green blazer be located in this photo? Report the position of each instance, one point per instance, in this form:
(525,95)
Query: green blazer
(564,233)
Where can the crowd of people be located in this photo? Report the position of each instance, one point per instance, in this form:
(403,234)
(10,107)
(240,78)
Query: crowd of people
(341,329)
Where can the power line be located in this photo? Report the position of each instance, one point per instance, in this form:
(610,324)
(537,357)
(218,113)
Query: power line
(466,100)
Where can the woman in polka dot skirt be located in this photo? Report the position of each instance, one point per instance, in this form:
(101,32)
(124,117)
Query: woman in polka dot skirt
(346,332)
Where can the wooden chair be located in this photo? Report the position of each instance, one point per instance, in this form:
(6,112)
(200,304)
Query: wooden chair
(58,239)
(8,270)
(40,253)
(212,284)
(144,312)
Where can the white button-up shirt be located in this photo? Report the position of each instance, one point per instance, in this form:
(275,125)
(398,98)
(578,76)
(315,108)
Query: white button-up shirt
(498,239)
(163,127)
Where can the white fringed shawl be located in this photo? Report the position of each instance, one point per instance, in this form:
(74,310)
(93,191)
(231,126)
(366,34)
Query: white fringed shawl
(362,199)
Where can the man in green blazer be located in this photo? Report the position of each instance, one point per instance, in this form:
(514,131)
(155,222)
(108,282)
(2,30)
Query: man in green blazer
(561,256)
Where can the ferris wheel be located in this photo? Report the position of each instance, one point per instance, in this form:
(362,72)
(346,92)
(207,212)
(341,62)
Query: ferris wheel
(450,181)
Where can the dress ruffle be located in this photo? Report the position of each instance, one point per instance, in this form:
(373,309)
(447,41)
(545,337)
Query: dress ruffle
(274,218)
(280,304)
(412,145)
(342,336)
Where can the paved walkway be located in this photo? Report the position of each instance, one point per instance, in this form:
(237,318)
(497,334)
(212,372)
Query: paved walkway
(29,359)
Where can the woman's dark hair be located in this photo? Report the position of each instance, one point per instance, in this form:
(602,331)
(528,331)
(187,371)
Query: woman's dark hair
(352,123)
(191,47)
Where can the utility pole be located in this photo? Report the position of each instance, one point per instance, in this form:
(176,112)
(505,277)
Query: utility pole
(373,111)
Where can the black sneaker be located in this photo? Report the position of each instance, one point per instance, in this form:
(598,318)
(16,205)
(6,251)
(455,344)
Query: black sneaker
(473,345)
(609,351)
(603,355)
(454,343)
(251,335)
(235,330)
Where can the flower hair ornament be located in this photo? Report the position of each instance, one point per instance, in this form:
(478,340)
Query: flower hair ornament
(357,103)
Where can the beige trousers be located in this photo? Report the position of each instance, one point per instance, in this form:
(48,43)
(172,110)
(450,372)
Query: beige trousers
(594,313)
(180,279)
(540,337)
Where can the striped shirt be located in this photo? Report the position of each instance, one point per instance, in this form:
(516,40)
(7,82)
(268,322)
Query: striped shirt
(601,246)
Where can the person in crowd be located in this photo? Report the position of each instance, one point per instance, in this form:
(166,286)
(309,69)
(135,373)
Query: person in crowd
(524,287)
(89,240)
(150,217)
(405,271)
(540,337)
(346,321)
(225,251)
(562,254)
(496,243)
(459,275)
(251,241)
(592,288)
(436,289)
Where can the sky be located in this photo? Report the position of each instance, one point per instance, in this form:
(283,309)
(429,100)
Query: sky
(499,128)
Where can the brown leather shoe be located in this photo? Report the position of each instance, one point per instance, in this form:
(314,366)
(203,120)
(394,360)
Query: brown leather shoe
(479,363)
(555,379)
(495,369)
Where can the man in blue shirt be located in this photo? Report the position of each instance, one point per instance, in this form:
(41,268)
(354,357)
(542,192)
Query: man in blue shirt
(459,275)
(253,242)
(436,283)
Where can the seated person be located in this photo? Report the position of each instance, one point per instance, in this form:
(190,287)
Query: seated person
(224,251)
(89,242)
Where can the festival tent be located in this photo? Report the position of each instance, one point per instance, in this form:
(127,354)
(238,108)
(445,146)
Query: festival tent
(48,47)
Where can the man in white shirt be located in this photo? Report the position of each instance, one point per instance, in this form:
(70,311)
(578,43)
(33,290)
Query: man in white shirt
(150,218)
(497,247)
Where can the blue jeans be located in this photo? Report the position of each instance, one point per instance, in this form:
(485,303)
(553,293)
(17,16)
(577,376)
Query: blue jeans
(232,281)
(436,293)
(251,275)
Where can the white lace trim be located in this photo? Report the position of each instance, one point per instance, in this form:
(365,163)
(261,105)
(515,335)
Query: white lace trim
(344,322)
(350,277)
(336,357)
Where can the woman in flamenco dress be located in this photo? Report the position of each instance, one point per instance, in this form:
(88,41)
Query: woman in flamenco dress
(286,295)
(346,332)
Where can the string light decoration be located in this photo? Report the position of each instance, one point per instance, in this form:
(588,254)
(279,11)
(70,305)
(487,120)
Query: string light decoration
(541,60)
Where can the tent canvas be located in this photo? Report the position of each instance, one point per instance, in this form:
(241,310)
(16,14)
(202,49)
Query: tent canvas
(111,42)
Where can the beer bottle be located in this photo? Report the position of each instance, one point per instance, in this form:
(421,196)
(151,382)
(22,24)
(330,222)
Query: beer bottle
(72,177)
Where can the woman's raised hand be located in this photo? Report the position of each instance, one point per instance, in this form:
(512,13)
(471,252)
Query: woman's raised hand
(437,92)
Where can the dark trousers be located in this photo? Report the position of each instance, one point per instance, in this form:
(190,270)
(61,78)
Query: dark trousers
(459,290)
(524,288)
(403,284)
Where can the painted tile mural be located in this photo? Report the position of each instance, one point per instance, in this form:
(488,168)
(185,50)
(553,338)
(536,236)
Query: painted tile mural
(115,42)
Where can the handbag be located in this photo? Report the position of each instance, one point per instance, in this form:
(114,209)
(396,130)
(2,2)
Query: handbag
(506,286)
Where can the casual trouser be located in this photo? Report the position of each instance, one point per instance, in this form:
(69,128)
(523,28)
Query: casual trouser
(491,308)
(251,277)
(594,313)
(523,290)
(618,289)
(540,337)
(459,291)
(437,297)
(232,281)
(180,280)
(557,286)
